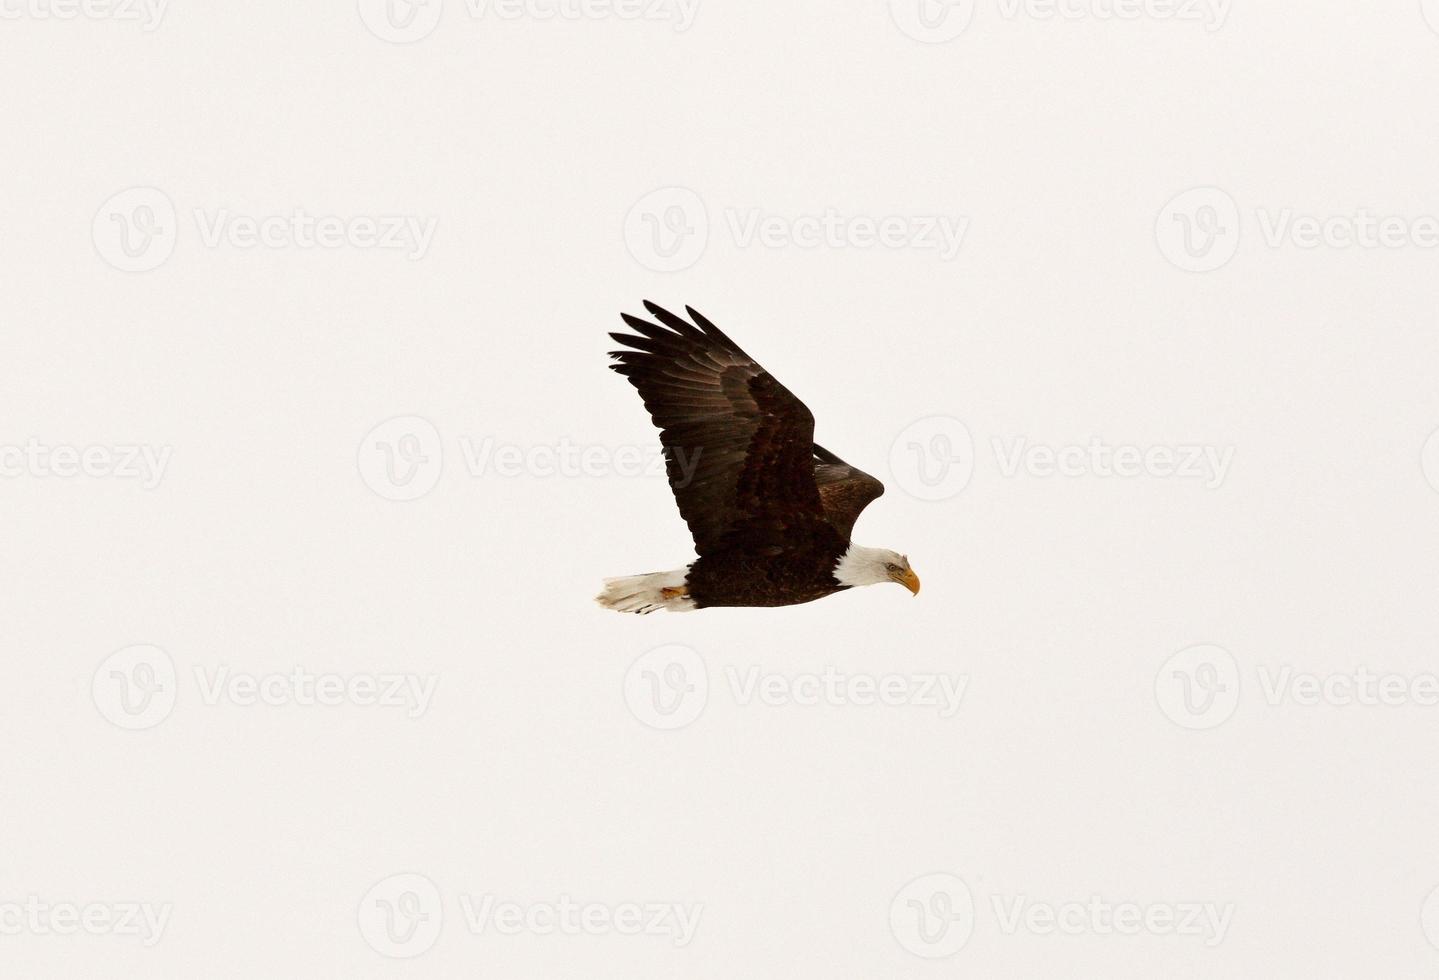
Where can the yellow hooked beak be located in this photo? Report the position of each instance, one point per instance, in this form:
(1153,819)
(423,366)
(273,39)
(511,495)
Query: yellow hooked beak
(908,579)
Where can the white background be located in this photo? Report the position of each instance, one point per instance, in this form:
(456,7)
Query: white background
(1068,772)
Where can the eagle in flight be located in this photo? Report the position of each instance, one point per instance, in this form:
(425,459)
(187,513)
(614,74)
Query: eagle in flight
(771,512)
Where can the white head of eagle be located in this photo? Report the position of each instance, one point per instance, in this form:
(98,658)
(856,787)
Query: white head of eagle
(871,566)
(770,511)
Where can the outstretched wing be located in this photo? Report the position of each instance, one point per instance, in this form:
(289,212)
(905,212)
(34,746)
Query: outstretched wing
(738,446)
(844,490)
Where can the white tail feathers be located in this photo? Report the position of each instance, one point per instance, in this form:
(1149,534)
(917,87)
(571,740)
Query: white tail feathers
(645,593)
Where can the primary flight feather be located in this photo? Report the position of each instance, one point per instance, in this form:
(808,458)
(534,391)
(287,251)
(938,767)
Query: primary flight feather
(770,512)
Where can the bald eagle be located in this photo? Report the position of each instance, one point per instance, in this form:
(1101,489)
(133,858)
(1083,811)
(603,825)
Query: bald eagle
(771,512)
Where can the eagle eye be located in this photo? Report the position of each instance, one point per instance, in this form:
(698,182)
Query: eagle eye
(891,567)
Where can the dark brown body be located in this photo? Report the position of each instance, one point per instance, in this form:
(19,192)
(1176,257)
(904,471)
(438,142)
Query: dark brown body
(785,579)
